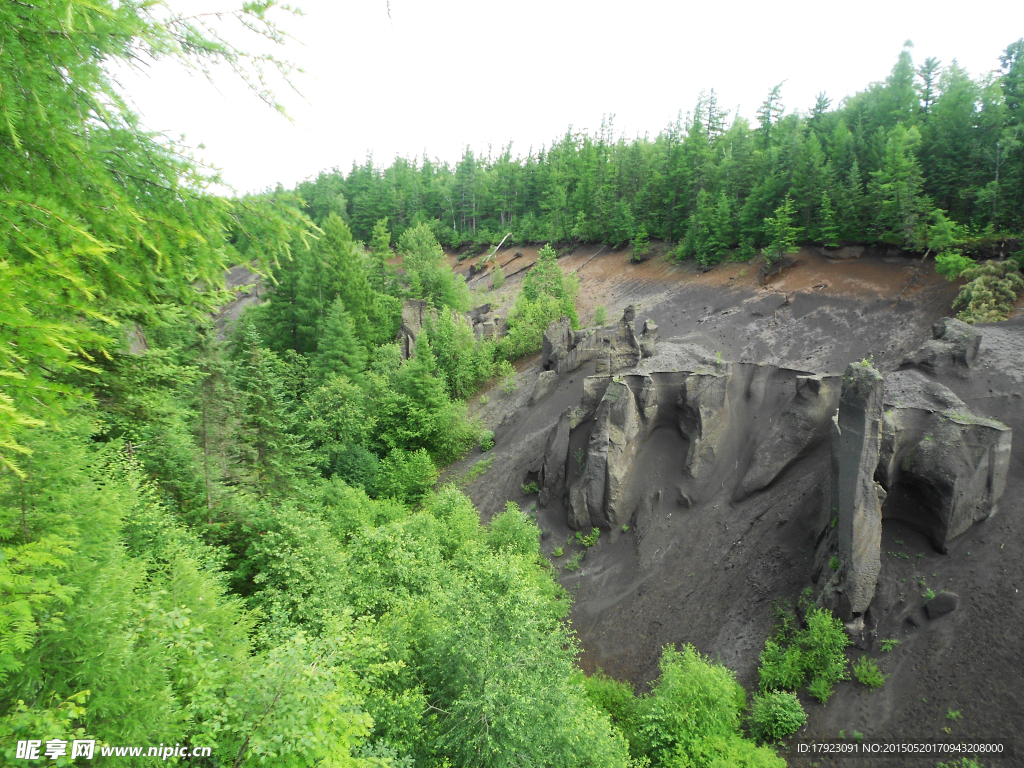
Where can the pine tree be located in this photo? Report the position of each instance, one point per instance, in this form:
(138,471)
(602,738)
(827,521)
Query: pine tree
(269,455)
(339,350)
(827,227)
(781,233)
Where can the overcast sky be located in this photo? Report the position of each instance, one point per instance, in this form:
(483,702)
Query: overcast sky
(442,74)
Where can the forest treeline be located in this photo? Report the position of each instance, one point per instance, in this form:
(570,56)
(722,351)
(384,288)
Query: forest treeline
(930,158)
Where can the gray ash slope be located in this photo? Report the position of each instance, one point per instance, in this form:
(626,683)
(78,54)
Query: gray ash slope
(706,567)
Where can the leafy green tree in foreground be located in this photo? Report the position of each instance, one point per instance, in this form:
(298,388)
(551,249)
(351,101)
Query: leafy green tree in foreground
(102,222)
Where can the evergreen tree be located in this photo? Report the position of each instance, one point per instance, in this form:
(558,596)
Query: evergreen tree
(339,350)
(781,233)
(828,228)
(269,456)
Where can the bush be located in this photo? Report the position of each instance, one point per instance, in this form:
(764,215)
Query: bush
(776,715)
(993,289)
(782,668)
(867,672)
(823,644)
(407,476)
(692,716)
(513,530)
(486,440)
(600,315)
(498,277)
(952,264)
(817,652)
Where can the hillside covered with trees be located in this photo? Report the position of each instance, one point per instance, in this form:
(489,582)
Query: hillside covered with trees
(929,158)
(239,543)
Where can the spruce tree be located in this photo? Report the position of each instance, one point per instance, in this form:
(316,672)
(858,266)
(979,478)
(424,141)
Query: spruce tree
(781,233)
(340,350)
(269,456)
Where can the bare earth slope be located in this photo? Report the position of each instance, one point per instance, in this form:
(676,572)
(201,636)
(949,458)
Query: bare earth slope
(707,570)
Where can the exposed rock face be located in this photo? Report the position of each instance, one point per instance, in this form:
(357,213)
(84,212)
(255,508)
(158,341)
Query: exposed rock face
(597,498)
(807,420)
(860,510)
(546,382)
(614,348)
(414,315)
(952,349)
(944,467)
(556,454)
(743,425)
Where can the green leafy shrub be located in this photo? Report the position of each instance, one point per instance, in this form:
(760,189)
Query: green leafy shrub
(889,643)
(486,440)
(782,668)
(515,530)
(529,488)
(590,539)
(866,670)
(692,716)
(407,476)
(600,315)
(816,652)
(573,563)
(547,295)
(993,289)
(775,715)
(497,277)
(952,264)
(823,644)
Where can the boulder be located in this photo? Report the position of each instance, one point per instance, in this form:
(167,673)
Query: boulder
(941,604)
(476,315)
(558,341)
(860,513)
(547,381)
(952,349)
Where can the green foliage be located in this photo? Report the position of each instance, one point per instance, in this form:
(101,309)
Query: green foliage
(992,289)
(888,643)
(963,762)
(952,264)
(573,563)
(428,273)
(486,440)
(590,539)
(641,244)
(103,222)
(547,295)
(954,714)
(816,652)
(531,487)
(477,470)
(339,352)
(406,476)
(600,315)
(780,233)
(514,530)
(693,715)
(866,670)
(833,563)
(775,715)
(497,277)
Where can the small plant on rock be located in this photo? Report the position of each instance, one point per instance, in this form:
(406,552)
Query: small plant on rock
(556,552)
(867,672)
(889,643)
(573,563)
(833,563)
(529,488)
(600,315)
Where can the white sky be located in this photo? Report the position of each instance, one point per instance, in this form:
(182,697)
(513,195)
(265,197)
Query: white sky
(442,74)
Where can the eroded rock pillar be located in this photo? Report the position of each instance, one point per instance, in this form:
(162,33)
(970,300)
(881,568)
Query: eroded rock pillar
(860,509)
